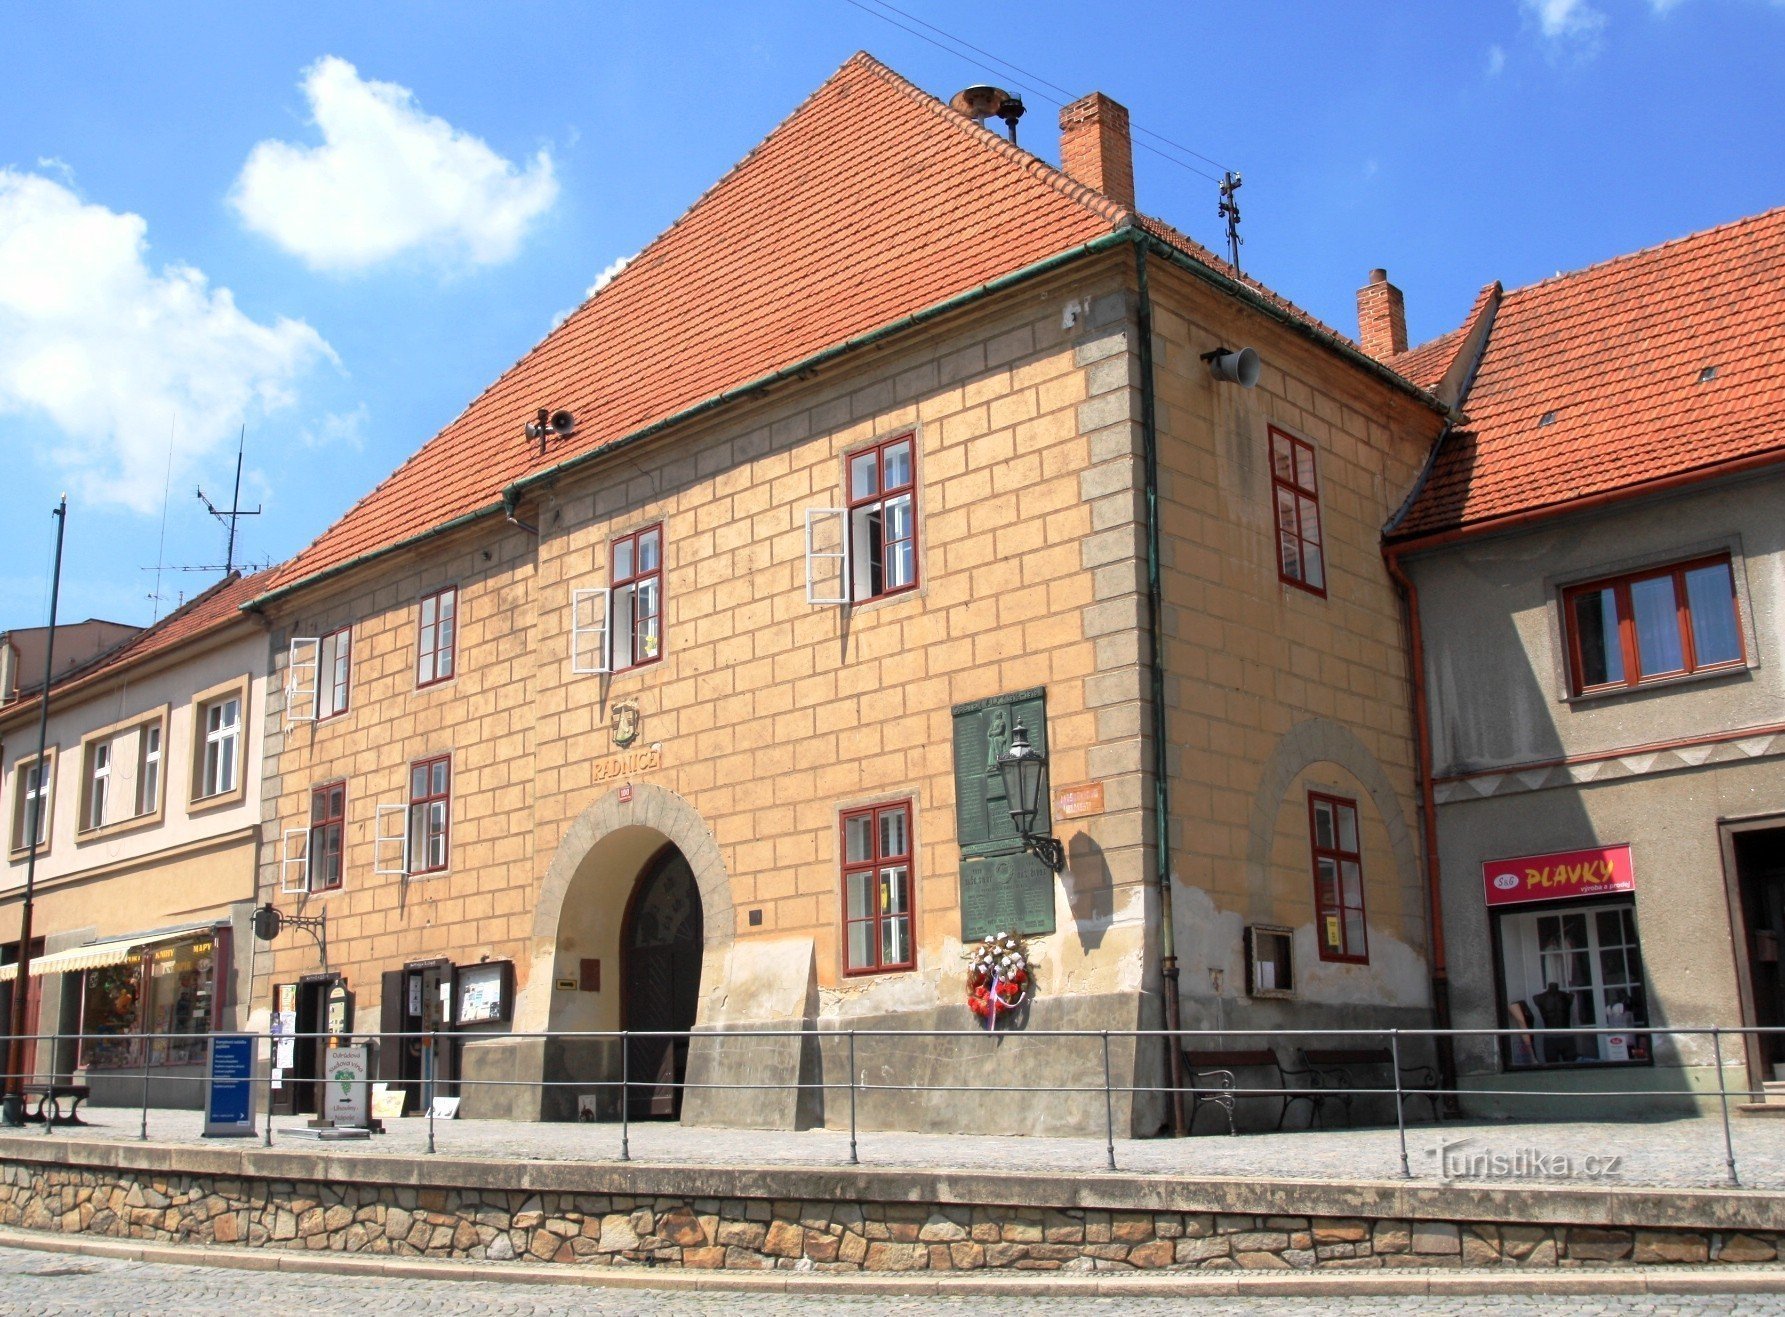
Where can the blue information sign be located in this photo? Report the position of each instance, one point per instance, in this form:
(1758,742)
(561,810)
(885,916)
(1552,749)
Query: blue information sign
(229,1087)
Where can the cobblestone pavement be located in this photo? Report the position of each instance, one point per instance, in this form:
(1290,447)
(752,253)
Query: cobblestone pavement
(1678,1153)
(48,1283)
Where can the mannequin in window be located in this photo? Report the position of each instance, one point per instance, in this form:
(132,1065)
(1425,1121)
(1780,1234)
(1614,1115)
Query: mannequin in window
(1556,1009)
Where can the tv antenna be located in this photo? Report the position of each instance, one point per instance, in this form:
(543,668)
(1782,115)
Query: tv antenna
(226,517)
(1229,210)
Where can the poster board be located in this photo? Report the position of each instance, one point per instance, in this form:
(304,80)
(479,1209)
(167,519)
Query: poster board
(485,993)
(347,1093)
(229,1087)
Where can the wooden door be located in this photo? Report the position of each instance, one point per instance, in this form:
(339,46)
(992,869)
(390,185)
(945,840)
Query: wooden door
(663,943)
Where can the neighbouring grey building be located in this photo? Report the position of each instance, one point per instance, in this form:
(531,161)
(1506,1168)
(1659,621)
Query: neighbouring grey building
(1597,563)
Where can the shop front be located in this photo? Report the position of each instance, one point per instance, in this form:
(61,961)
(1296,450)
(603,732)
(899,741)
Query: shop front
(144,1003)
(1568,957)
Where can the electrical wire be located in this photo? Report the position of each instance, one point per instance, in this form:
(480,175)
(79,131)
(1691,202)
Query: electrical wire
(1034,82)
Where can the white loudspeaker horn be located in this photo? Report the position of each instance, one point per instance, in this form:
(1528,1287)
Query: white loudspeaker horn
(1239,368)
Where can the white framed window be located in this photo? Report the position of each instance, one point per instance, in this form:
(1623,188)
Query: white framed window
(98,783)
(148,769)
(33,792)
(220,743)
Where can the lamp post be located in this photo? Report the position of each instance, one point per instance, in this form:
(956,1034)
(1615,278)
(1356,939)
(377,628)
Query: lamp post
(1025,786)
(12,1107)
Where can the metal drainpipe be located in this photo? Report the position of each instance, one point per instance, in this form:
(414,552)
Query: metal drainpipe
(1428,821)
(1168,951)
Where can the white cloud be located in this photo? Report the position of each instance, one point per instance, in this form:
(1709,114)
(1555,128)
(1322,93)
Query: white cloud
(344,429)
(114,352)
(602,280)
(387,179)
(607,274)
(1496,61)
(1566,21)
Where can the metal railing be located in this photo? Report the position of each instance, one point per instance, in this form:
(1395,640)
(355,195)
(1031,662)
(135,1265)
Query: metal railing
(1093,1066)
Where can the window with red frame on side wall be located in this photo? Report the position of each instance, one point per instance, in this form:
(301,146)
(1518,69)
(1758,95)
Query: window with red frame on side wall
(1295,494)
(1338,878)
(1646,626)
(438,626)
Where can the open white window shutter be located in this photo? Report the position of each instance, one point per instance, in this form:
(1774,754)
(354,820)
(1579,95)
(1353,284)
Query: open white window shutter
(822,559)
(300,679)
(590,611)
(390,847)
(294,860)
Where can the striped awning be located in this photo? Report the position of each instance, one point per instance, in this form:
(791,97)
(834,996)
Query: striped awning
(95,955)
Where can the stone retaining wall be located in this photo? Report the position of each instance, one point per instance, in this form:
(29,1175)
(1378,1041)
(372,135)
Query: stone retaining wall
(609,1230)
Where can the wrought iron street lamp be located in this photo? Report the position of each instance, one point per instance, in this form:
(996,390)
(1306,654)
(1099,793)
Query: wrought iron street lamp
(1025,786)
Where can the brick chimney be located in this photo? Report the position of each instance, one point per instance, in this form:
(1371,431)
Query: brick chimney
(1095,148)
(1381,317)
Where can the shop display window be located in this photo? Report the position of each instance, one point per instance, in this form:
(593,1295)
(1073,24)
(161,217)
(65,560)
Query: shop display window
(168,989)
(109,1015)
(1577,966)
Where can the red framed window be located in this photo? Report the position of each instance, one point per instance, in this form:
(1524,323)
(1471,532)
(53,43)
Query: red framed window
(430,813)
(328,819)
(1665,622)
(883,518)
(1295,490)
(637,598)
(439,629)
(334,666)
(1338,878)
(877,886)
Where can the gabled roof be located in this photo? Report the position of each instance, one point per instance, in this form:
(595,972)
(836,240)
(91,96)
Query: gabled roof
(1613,356)
(873,202)
(215,608)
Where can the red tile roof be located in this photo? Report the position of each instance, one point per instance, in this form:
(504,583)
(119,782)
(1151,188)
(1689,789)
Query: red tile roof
(872,201)
(204,613)
(1613,355)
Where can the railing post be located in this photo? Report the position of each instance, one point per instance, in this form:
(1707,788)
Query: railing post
(143,1133)
(427,1085)
(625,1098)
(1723,1098)
(1394,1047)
(266,1140)
(1109,1108)
(854,1160)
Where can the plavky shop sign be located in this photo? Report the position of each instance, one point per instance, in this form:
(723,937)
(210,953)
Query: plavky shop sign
(1559,876)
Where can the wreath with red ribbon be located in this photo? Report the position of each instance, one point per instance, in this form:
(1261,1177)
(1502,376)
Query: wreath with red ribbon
(1000,977)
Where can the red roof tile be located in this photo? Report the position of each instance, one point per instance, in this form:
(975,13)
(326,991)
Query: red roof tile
(1613,354)
(872,201)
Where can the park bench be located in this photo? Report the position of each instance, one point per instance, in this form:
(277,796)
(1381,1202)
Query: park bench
(49,1102)
(1213,1080)
(1342,1070)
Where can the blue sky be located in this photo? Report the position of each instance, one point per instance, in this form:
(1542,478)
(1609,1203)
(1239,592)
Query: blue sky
(336,223)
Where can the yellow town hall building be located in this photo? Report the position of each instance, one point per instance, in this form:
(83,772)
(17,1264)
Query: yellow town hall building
(681,710)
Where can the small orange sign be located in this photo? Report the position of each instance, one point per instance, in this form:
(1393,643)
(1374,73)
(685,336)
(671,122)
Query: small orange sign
(1076,802)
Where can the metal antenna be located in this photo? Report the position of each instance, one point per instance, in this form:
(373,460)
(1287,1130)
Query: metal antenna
(228,516)
(1229,210)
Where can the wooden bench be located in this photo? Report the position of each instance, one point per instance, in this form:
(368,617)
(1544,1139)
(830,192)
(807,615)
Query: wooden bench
(1225,1089)
(49,1102)
(1340,1070)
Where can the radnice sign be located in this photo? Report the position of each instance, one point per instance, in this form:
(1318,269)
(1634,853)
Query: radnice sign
(1559,876)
